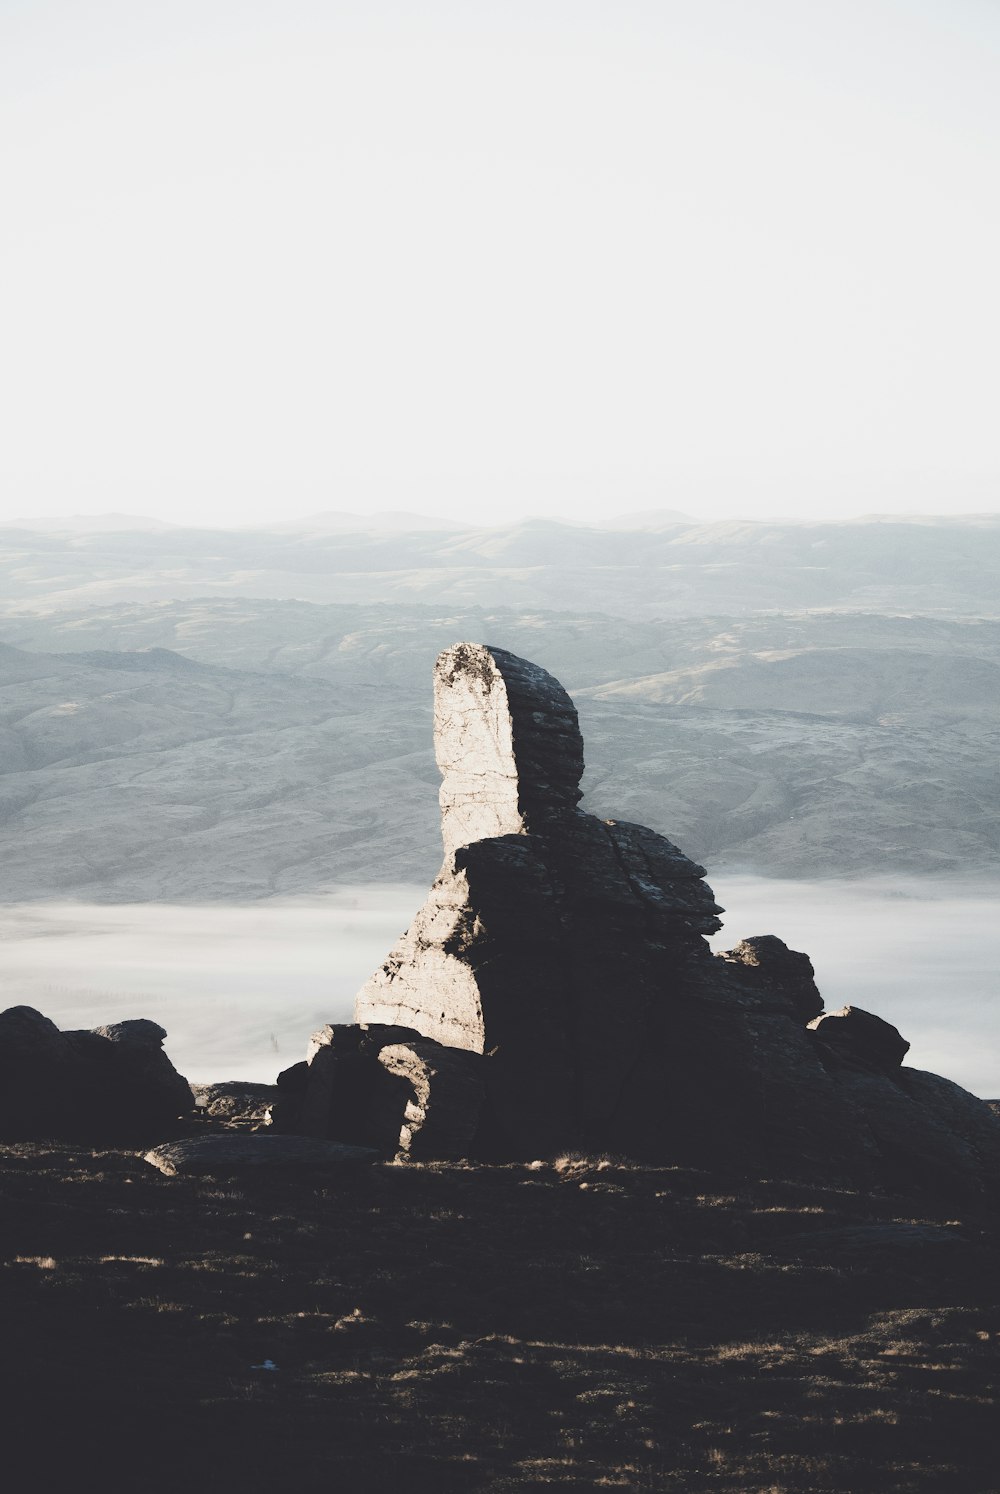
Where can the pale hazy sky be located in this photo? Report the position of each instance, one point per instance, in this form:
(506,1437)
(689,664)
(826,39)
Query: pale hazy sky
(487,257)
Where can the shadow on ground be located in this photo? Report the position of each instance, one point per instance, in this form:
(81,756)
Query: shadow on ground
(588,1325)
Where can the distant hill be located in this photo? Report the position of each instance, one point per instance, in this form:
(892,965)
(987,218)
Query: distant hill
(238,748)
(665,569)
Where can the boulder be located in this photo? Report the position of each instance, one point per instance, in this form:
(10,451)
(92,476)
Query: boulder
(38,1071)
(786,974)
(112,1083)
(335,1101)
(861,1037)
(381,1085)
(235,1099)
(145,1085)
(443,1098)
(233,1152)
(358,1037)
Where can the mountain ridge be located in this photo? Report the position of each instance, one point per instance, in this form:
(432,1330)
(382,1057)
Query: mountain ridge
(291,750)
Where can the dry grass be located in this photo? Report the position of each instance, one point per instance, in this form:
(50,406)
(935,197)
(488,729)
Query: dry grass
(457,1328)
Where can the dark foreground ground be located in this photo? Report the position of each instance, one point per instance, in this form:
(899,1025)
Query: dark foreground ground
(582,1326)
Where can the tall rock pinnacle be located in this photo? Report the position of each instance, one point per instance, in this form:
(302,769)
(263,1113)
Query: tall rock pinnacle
(568,953)
(507,742)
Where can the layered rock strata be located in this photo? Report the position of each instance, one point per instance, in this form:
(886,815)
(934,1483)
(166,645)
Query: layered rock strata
(568,952)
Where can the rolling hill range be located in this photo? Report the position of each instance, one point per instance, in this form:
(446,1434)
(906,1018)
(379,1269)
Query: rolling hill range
(669,568)
(228,747)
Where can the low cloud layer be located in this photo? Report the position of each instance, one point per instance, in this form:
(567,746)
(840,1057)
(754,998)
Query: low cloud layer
(239,989)
(924,957)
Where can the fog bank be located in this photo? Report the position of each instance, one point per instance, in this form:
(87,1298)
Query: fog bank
(240,988)
(923,955)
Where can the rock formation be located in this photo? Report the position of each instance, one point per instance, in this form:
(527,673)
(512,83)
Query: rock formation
(239,1101)
(386,1086)
(113,1083)
(556,992)
(234,1153)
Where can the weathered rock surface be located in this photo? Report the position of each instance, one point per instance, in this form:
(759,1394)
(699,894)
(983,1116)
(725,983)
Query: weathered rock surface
(782,972)
(233,1152)
(444,1098)
(382,1085)
(863,1037)
(114,1083)
(568,952)
(235,1099)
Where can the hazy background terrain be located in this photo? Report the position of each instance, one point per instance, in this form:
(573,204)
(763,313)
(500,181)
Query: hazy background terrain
(809,700)
(675,321)
(175,747)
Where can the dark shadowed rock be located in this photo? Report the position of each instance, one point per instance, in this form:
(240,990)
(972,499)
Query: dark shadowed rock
(860,1036)
(112,1083)
(339,1091)
(144,1085)
(569,953)
(784,972)
(358,1037)
(140,1031)
(235,1099)
(381,1085)
(234,1152)
(335,1100)
(36,1075)
(443,1098)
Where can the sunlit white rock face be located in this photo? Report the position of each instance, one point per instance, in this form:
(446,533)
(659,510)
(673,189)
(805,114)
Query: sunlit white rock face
(507,743)
(474,747)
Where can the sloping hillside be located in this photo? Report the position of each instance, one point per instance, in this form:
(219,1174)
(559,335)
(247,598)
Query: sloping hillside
(288,747)
(673,569)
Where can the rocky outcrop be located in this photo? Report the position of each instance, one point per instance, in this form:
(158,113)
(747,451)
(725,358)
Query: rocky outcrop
(443,1093)
(382,1085)
(230,1153)
(861,1037)
(235,1100)
(112,1083)
(569,953)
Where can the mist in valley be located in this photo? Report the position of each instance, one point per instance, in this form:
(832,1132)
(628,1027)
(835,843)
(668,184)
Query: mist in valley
(219,800)
(240,987)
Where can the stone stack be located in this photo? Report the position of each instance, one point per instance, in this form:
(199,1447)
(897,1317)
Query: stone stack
(569,953)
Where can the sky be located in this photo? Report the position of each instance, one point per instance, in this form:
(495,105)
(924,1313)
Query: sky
(483,258)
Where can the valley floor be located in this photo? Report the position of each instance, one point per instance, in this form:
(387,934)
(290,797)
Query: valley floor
(587,1325)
